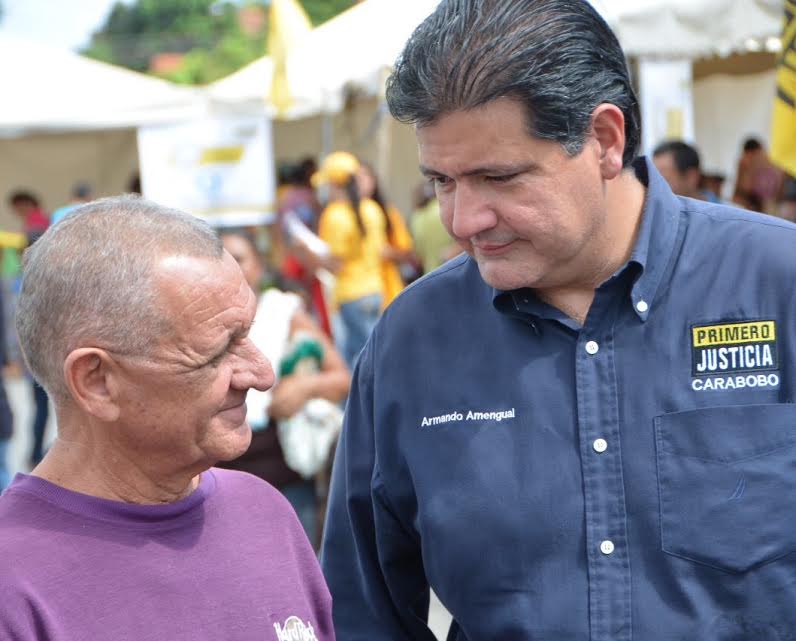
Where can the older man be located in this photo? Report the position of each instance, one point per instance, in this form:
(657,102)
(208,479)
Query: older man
(136,321)
(584,428)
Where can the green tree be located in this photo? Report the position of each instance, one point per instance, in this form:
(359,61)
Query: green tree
(320,11)
(134,33)
(207,32)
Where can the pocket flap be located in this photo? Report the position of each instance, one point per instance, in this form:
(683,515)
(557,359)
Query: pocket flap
(727,482)
(728,434)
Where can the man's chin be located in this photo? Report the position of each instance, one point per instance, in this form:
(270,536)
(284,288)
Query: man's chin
(236,443)
(503,276)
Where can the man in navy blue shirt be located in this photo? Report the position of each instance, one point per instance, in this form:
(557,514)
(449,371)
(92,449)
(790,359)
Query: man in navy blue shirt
(583,428)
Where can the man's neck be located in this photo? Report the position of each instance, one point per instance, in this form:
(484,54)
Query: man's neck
(624,202)
(85,466)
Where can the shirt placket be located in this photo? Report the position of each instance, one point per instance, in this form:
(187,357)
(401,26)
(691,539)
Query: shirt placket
(601,460)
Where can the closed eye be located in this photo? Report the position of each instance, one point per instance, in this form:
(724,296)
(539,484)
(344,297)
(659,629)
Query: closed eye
(216,360)
(501,179)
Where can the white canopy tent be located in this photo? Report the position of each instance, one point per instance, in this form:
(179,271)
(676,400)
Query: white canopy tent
(690,28)
(50,90)
(67,118)
(350,50)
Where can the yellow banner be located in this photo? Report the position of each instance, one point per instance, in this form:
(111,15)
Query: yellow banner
(288,26)
(214,155)
(13,240)
(734,333)
(783,125)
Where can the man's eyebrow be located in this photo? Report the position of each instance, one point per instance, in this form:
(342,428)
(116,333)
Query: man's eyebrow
(428,172)
(485,170)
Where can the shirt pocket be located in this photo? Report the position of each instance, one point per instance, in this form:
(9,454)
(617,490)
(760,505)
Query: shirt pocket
(727,484)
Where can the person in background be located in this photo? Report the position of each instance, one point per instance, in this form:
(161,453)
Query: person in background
(433,243)
(282,328)
(126,530)
(787,203)
(757,181)
(355,232)
(399,249)
(713,183)
(28,209)
(11,246)
(679,164)
(81,194)
(298,195)
(35,223)
(297,264)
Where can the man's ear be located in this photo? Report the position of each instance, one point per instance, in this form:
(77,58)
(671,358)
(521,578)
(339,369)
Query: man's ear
(608,129)
(91,376)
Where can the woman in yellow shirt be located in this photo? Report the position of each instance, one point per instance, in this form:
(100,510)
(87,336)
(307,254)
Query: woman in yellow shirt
(354,230)
(399,248)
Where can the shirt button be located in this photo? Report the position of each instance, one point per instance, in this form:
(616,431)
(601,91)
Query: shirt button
(592,347)
(642,306)
(606,547)
(600,445)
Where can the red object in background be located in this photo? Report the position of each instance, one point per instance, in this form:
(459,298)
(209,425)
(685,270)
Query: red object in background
(293,269)
(36,222)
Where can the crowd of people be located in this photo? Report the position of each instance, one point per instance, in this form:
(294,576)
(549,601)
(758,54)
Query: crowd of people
(578,426)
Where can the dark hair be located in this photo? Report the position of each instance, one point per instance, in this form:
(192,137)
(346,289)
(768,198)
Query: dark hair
(306,167)
(298,174)
(81,191)
(23,197)
(134,184)
(284,174)
(379,198)
(243,233)
(752,144)
(352,191)
(557,57)
(684,155)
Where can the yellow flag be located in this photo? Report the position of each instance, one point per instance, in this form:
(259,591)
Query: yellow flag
(783,125)
(288,24)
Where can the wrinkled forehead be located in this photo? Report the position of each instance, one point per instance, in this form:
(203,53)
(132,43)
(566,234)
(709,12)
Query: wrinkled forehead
(201,292)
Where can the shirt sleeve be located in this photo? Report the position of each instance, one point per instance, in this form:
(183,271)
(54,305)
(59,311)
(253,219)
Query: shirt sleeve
(371,561)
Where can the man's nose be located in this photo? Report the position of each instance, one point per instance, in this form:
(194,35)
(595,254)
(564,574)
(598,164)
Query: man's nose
(471,212)
(254,370)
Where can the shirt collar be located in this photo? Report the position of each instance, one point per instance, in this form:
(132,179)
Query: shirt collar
(651,252)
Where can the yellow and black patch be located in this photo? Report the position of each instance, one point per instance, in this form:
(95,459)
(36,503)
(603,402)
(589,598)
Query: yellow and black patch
(745,346)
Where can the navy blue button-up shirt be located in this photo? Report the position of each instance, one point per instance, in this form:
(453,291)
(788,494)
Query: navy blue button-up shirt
(633,478)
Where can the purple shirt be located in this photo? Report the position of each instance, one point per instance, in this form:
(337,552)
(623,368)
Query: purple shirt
(230,561)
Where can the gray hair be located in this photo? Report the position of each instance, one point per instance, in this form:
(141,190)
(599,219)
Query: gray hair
(88,281)
(557,57)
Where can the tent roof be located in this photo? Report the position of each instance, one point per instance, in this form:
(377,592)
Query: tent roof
(50,89)
(690,28)
(351,49)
